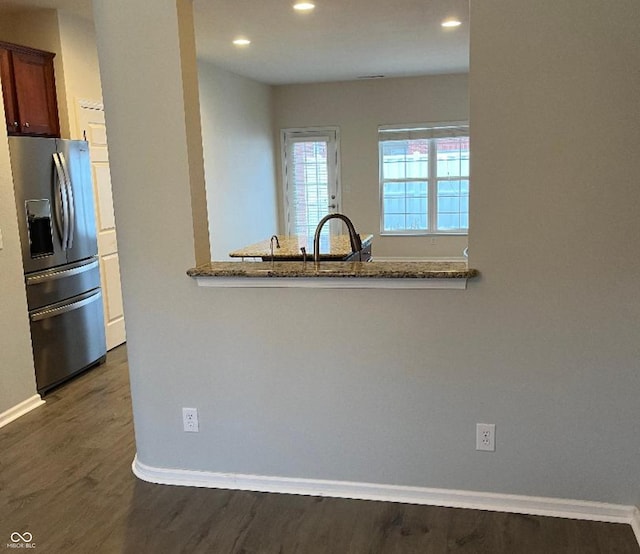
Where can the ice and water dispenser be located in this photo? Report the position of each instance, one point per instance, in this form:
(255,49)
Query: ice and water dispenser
(39,226)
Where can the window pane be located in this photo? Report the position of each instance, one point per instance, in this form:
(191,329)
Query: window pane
(405,158)
(464,167)
(453,157)
(453,205)
(417,158)
(394,169)
(393,222)
(394,189)
(448,187)
(310,180)
(417,188)
(447,222)
(448,204)
(394,205)
(416,205)
(417,168)
(416,222)
(405,206)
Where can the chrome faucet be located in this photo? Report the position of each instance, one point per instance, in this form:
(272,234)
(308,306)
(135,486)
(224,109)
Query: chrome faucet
(354,238)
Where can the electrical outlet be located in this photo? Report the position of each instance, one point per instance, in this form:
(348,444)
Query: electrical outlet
(190,420)
(486,436)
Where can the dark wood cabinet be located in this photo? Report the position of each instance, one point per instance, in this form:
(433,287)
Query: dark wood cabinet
(29,91)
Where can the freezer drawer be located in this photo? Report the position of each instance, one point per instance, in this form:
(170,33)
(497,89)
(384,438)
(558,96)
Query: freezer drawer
(57,284)
(67,337)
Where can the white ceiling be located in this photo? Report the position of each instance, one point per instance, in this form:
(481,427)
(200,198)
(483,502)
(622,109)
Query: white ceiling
(339,40)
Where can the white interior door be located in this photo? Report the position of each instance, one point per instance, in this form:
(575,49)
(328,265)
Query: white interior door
(91,124)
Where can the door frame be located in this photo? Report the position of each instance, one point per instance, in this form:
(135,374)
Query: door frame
(81,105)
(333,134)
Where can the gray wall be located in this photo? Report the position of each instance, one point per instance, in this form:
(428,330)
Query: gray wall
(555,129)
(386,386)
(358,108)
(239,159)
(17,376)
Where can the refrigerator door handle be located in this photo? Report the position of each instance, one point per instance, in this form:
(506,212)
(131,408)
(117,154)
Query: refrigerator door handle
(53,312)
(61,274)
(71,207)
(60,201)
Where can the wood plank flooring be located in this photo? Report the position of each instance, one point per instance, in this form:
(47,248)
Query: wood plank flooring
(65,477)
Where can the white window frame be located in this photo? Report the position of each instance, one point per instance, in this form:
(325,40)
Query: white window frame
(300,134)
(430,131)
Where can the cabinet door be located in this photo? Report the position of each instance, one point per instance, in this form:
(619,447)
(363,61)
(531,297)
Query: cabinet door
(35,93)
(8,91)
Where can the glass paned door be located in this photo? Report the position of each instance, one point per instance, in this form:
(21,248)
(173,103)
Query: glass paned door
(311,180)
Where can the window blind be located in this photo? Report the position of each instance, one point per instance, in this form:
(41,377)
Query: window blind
(426,132)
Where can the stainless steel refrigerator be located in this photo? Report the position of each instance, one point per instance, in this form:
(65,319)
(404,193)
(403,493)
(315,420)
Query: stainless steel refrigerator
(54,200)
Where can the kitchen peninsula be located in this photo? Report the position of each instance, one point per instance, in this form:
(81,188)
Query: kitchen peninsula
(289,248)
(394,275)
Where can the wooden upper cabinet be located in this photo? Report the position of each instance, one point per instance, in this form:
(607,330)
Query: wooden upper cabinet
(6,76)
(29,91)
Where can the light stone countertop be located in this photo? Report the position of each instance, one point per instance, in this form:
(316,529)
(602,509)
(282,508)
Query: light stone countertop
(335,246)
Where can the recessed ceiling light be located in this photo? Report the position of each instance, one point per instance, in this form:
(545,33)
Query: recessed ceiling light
(242,42)
(451,23)
(303,6)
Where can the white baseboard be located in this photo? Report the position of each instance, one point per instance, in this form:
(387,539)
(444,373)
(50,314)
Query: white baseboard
(635,523)
(20,409)
(554,507)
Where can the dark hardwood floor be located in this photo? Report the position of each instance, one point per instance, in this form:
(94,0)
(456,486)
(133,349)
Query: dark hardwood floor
(65,478)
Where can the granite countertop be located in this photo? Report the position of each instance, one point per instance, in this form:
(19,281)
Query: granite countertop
(331,247)
(367,270)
